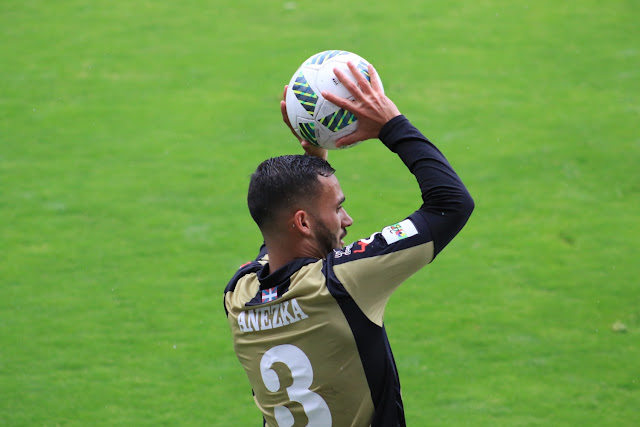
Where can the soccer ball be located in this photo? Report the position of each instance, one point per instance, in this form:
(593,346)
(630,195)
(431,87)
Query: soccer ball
(312,117)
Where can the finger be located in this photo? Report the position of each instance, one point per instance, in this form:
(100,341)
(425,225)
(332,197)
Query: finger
(308,147)
(285,119)
(349,84)
(284,95)
(313,150)
(361,80)
(376,84)
(350,139)
(337,100)
(283,110)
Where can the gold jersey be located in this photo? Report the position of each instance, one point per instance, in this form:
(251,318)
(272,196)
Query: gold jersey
(310,335)
(311,338)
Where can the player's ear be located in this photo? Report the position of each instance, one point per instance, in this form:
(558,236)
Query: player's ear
(301,222)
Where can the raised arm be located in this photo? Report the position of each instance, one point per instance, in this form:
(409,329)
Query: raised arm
(447,204)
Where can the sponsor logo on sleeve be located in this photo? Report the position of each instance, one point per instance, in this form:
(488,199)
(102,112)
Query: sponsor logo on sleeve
(339,253)
(355,247)
(399,231)
(363,243)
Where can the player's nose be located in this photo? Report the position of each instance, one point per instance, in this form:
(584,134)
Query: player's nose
(346,220)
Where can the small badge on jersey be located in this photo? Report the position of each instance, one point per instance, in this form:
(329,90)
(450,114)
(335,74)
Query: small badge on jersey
(269,295)
(399,231)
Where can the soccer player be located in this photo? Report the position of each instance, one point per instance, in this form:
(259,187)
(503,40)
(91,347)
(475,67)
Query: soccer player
(307,315)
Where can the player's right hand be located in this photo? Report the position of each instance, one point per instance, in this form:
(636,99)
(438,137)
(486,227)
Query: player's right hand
(308,147)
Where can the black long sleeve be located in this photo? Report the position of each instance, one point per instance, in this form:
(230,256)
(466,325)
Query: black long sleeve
(447,205)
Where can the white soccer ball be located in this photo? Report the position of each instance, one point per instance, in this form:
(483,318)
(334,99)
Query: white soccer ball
(314,118)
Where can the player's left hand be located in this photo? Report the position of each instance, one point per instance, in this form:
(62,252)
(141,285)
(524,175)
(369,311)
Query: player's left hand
(369,104)
(308,147)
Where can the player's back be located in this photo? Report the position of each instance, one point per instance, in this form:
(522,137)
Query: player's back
(294,334)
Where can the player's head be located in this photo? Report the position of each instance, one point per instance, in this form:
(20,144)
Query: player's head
(282,186)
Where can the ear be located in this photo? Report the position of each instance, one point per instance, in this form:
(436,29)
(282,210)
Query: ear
(301,222)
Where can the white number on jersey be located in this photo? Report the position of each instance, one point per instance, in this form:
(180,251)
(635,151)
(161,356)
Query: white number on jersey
(314,406)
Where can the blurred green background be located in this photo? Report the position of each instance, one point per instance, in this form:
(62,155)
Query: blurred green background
(128,131)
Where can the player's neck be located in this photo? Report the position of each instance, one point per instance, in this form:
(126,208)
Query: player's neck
(282,252)
(276,261)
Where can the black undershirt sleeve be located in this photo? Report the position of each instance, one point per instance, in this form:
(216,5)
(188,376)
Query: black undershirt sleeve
(447,205)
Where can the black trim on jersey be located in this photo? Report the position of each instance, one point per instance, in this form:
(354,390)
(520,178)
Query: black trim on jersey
(281,290)
(379,367)
(447,204)
(262,252)
(280,279)
(379,246)
(248,268)
(270,280)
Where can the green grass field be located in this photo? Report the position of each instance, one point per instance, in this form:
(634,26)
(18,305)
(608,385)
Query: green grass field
(128,131)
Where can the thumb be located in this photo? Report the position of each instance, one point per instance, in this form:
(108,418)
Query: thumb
(350,139)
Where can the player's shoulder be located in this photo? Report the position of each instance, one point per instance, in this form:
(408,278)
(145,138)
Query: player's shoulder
(395,237)
(251,267)
(248,268)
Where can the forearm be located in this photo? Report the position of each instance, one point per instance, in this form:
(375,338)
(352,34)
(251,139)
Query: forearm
(447,204)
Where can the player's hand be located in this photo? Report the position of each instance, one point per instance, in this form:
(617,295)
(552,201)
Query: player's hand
(370,105)
(308,147)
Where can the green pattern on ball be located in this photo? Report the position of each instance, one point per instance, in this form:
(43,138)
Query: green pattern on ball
(307,132)
(338,120)
(307,97)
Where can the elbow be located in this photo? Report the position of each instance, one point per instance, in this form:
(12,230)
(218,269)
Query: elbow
(461,204)
(464,207)
(448,219)
(461,211)
(456,205)
(468,205)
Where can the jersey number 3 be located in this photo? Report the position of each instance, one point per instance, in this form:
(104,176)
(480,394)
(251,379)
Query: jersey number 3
(314,406)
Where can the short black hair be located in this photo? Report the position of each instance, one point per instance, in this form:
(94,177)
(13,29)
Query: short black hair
(284,181)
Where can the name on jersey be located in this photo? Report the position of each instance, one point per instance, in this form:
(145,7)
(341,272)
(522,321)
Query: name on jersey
(271,317)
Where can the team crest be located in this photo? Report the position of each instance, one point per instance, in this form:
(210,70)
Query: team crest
(269,295)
